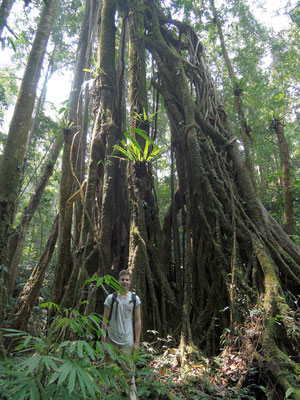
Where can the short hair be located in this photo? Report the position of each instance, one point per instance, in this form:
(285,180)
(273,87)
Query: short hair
(124,272)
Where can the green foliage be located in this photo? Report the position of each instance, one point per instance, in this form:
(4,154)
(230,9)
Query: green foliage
(290,391)
(107,280)
(132,151)
(45,367)
(8,91)
(154,389)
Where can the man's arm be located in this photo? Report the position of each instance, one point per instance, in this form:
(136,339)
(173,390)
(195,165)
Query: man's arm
(105,323)
(137,327)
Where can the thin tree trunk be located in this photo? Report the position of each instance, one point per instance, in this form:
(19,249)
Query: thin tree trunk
(67,183)
(237,91)
(82,140)
(17,239)
(31,290)
(40,103)
(6,6)
(288,214)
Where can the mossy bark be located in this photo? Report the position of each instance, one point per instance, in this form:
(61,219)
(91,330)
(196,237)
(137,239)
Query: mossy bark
(31,291)
(13,155)
(17,239)
(288,212)
(103,244)
(5,8)
(235,254)
(14,150)
(145,250)
(237,92)
(69,159)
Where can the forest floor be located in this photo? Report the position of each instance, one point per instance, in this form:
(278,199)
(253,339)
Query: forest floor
(226,377)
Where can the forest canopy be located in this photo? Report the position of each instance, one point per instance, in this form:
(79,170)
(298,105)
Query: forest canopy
(174,155)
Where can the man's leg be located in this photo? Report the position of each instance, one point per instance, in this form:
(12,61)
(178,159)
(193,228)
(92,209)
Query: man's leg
(128,367)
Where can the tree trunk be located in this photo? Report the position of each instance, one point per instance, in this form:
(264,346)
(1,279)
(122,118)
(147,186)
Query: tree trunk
(31,291)
(13,155)
(288,214)
(82,140)
(14,150)
(68,176)
(6,6)
(237,258)
(40,103)
(237,91)
(17,239)
(96,250)
(145,249)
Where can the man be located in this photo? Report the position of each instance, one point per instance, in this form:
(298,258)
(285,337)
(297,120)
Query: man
(122,320)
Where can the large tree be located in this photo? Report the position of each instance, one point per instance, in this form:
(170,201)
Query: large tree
(237,255)
(227,264)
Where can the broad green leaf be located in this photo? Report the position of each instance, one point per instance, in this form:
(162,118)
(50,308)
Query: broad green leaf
(27,340)
(89,383)
(30,364)
(122,151)
(100,349)
(34,394)
(113,282)
(65,369)
(135,143)
(132,154)
(14,332)
(96,320)
(75,326)
(82,385)
(54,377)
(146,150)
(290,391)
(41,389)
(21,394)
(72,379)
(80,348)
(50,364)
(110,350)
(50,305)
(90,351)
(96,279)
(143,134)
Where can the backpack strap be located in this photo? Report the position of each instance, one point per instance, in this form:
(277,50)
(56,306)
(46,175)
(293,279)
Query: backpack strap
(133,300)
(114,298)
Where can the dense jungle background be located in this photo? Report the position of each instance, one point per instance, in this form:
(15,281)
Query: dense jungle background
(162,137)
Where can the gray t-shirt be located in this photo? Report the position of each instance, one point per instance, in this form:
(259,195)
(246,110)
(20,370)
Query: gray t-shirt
(120,329)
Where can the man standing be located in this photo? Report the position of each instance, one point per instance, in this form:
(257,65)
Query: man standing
(122,320)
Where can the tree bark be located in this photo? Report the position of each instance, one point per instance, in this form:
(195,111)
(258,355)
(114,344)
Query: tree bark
(237,92)
(40,103)
(145,249)
(288,214)
(31,291)
(14,150)
(6,6)
(13,155)
(68,176)
(17,239)
(236,256)
(96,250)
